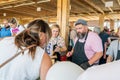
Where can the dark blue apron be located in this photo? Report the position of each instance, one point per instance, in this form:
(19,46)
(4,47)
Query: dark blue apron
(118,52)
(79,55)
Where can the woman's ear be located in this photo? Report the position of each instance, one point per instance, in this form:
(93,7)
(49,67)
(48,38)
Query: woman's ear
(43,38)
(40,35)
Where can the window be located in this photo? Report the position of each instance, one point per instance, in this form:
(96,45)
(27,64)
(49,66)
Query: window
(107,24)
(116,24)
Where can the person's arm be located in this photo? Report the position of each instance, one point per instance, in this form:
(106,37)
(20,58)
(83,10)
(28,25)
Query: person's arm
(69,53)
(63,49)
(110,52)
(60,49)
(105,49)
(96,57)
(96,45)
(109,40)
(45,65)
(109,59)
(91,61)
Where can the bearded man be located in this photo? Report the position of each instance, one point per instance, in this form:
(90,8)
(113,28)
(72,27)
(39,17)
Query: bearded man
(88,46)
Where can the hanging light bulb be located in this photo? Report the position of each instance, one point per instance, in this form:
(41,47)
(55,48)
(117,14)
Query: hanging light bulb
(4,14)
(38,8)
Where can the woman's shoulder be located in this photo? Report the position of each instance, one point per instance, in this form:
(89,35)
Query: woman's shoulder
(39,52)
(114,42)
(92,33)
(93,36)
(39,49)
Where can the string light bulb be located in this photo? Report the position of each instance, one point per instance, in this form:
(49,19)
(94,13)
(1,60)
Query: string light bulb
(38,8)
(4,14)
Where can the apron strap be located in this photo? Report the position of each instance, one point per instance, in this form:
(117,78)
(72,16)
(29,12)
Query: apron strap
(85,36)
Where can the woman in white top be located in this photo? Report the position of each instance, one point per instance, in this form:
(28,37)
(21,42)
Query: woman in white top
(31,64)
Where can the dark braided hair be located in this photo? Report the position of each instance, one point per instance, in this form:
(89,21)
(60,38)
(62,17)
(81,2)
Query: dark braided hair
(31,35)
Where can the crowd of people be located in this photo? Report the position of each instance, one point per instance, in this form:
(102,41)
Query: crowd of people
(89,48)
(11,27)
(33,62)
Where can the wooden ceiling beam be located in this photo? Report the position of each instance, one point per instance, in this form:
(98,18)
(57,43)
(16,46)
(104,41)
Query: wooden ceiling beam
(118,2)
(85,6)
(8,12)
(35,12)
(110,9)
(32,10)
(11,2)
(12,15)
(75,10)
(29,10)
(35,3)
(26,9)
(94,6)
(45,8)
(21,12)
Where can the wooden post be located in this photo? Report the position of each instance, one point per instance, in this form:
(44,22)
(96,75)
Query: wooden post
(63,8)
(101,22)
(59,12)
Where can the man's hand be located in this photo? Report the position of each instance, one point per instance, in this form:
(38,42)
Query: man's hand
(85,65)
(57,49)
(69,54)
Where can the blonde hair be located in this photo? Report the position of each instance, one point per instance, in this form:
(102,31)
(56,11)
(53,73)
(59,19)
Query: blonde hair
(56,26)
(14,21)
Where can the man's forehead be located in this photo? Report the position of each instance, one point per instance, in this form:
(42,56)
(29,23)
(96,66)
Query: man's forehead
(79,26)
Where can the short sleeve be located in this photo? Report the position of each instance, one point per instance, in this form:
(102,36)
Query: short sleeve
(96,43)
(110,50)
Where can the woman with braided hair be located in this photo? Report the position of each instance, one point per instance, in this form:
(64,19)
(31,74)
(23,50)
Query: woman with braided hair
(33,62)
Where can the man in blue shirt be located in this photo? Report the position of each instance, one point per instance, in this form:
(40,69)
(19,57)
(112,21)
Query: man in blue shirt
(5,31)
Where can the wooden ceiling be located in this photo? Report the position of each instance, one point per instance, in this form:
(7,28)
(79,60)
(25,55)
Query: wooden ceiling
(87,9)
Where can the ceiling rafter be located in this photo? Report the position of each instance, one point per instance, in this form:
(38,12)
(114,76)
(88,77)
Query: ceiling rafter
(118,2)
(2,3)
(87,7)
(21,12)
(94,6)
(12,14)
(110,9)
(45,7)
(28,8)
(74,10)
